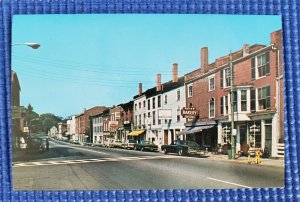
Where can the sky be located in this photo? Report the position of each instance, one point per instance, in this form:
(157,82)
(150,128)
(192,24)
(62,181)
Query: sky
(99,59)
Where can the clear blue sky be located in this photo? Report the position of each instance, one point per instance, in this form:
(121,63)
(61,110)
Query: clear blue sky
(90,60)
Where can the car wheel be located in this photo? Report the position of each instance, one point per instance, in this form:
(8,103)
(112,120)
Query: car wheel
(142,149)
(165,151)
(179,152)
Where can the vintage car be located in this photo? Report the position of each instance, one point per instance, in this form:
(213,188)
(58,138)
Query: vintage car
(36,144)
(182,148)
(117,144)
(129,144)
(107,143)
(145,145)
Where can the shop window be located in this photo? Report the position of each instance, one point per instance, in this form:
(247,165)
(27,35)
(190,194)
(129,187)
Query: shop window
(264,98)
(254,134)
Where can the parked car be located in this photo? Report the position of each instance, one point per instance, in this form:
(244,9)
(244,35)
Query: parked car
(117,144)
(36,144)
(129,144)
(97,144)
(89,144)
(107,142)
(75,141)
(145,145)
(182,148)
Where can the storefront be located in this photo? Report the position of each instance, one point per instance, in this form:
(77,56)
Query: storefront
(137,135)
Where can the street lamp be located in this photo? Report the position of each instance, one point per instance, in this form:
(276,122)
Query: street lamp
(30,44)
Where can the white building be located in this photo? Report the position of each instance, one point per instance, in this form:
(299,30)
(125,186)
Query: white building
(164,120)
(71,124)
(53,132)
(97,123)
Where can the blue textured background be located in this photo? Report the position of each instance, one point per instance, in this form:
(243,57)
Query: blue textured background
(290,12)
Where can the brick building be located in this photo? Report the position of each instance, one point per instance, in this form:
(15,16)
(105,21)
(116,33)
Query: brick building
(258,97)
(82,120)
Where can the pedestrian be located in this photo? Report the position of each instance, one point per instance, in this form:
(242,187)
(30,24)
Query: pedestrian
(229,148)
(47,144)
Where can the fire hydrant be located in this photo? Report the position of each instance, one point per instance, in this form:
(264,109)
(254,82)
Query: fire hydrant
(257,156)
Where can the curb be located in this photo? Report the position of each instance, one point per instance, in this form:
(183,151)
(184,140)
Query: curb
(244,162)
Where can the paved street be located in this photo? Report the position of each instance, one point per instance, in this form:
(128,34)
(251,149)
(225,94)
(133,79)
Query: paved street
(74,167)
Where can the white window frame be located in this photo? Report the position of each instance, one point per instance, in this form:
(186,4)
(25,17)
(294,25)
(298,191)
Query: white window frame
(256,66)
(190,93)
(225,77)
(209,83)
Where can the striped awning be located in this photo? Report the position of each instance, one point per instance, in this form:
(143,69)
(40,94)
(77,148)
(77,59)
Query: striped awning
(195,129)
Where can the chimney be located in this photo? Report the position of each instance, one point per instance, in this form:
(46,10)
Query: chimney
(175,73)
(276,38)
(204,59)
(140,89)
(158,82)
(245,50)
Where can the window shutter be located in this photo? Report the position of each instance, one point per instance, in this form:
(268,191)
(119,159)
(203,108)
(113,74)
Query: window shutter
(221,77)
(222,105)
(253,100)
(253,68)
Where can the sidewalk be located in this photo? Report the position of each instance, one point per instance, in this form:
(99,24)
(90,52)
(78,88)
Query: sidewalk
(264,161)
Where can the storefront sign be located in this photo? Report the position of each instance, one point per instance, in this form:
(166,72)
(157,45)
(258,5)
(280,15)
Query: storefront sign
(113,124)
(190,113)
(126,122)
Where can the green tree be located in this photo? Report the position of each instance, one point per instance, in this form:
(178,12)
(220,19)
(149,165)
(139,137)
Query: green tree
(48,120)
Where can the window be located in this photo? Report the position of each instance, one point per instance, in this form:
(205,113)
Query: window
(264,98)
(178,114)
(159,101)
(166,121)
(178,95)
(252,100)
(190,90)
(144,103)
(235,101)
(135,120)
(166,99)
(159,122)
(227,77)
(211,84)
(135,106)
(144,121)
(140,120)
(212,107)
(260,66)
(243,100)
(153,103)
(222,105)
(226,105)
(149,104)
(149,115)
(140,105)
(153,118)
(263,67)
(178,118)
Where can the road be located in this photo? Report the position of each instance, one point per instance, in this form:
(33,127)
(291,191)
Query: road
(74,167)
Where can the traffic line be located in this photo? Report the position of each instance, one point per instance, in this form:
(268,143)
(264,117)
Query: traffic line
(240,185)
(66,162)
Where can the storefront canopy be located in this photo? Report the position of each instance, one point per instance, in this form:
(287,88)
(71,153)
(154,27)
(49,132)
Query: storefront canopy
(195,129)
(136,132)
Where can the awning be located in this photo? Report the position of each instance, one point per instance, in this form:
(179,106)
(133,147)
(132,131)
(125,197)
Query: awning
(136,132)
(194,129)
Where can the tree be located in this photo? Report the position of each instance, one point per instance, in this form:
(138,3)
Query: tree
(49,120)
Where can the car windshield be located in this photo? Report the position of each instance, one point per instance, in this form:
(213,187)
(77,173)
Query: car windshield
(191,144)
(145,142)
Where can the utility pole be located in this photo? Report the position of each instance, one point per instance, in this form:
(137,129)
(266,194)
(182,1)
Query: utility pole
(232,104)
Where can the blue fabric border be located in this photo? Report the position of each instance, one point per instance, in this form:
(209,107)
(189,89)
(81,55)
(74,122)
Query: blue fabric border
(290,12)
